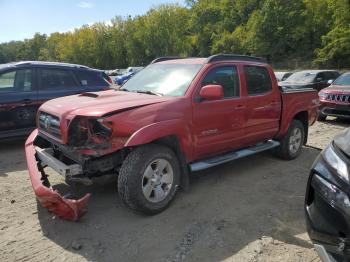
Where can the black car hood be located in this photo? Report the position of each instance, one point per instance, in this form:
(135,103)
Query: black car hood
(342,141)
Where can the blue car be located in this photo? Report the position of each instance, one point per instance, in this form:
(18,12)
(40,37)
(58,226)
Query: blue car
(119,80)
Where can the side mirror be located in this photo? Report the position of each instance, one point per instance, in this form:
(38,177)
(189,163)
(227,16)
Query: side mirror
(211,92)
(330,81)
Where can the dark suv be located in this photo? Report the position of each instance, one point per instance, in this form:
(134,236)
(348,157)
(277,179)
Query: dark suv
(327,201)
(24,86)
(316,79)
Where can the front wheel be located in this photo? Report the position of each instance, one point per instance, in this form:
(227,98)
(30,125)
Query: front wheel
(148,178)
(292,142)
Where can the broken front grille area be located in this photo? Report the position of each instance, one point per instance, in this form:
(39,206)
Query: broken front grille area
(50,124)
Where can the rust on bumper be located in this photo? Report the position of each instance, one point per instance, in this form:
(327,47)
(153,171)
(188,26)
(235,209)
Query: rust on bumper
(49,198)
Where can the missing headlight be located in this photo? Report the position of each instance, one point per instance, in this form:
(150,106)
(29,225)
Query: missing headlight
(101,128)
(78,133)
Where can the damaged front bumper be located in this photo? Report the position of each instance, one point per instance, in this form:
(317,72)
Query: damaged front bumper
(49,198)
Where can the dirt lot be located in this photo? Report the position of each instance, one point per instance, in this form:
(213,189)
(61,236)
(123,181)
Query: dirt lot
(248,210)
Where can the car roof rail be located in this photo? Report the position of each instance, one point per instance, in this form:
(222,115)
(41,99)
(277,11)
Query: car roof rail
(23,63)
(165,58)
(227,57)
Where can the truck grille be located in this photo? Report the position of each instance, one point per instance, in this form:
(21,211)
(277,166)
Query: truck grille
(50,124)
(338,98)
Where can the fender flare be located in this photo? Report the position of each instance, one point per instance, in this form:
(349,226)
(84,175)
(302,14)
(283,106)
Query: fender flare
(158,130)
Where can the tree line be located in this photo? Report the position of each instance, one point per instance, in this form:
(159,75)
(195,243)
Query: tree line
(313,31)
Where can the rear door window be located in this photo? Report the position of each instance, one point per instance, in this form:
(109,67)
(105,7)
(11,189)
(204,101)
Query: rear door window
(52,79)
(18,80)
(258,80)
(90,78)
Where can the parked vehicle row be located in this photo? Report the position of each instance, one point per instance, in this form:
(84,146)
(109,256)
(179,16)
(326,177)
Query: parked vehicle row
(24,86)
(119,71)
(173,117)
(130,72)
(334,90)
(316,79)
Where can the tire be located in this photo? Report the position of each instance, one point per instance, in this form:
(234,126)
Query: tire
(286,150)
(145,193)
(321,117)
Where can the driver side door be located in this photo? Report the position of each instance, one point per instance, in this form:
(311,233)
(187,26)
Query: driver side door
(218,125)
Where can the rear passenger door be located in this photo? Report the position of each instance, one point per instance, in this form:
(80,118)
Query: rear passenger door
(18,101)
(56,82)
(263,104)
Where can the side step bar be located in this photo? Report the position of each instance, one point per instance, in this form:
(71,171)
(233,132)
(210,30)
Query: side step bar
(217,160)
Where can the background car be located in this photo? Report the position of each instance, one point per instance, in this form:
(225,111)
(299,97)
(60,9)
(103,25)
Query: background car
(335,99)
(316,79)
(281,76)
(129,72)
(133,69)
(327,203)
(115,72)
(119,80)
(24,86)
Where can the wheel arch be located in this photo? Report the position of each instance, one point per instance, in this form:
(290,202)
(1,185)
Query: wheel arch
(173,134)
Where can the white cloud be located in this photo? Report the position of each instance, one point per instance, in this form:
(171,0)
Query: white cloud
(108,23)
(85,5)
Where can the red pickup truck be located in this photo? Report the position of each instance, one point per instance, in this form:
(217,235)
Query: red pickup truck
(173,117)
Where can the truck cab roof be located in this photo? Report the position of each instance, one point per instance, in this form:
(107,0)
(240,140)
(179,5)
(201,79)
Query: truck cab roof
(211,59)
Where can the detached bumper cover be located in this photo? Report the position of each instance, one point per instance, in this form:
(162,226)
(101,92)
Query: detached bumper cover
(68,209)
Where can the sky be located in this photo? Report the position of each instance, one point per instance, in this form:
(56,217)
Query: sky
(20,19)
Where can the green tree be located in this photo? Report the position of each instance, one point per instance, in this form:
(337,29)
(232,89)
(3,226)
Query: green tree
(335,50)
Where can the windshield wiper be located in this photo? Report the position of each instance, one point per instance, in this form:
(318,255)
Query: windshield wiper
(123,89)
(149,92)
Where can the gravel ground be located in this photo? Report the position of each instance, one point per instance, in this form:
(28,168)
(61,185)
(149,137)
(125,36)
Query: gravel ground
(248,210)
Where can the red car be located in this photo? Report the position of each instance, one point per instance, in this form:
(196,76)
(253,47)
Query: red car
(335,99)
(173,117)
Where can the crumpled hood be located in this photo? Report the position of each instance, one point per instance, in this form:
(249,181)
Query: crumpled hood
(98,104)
(343,141)
(337,89)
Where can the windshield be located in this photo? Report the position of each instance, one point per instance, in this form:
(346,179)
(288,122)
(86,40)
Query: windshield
(302,77)
(163,79)
(343,80)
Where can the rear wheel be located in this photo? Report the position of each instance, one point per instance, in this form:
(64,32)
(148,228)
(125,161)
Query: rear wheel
(292,142)
(148,178)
